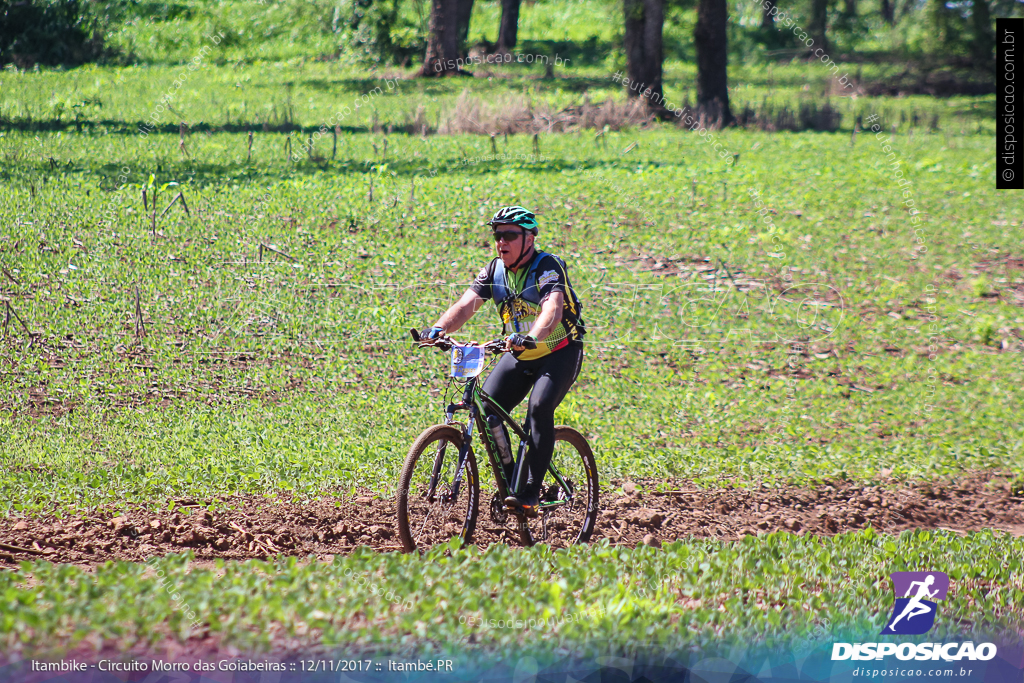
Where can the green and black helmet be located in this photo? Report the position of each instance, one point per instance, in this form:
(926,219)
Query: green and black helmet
(516,215)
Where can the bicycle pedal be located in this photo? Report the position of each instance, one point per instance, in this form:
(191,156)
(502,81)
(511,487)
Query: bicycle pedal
(521,511)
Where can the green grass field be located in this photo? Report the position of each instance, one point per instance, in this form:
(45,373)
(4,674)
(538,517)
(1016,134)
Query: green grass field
(276,354)
(773,589)
(257,376)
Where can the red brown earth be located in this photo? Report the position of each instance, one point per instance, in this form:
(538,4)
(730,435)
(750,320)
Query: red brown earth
(244,527)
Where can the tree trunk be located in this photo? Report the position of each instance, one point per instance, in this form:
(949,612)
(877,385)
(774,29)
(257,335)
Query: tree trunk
(465,14)
(900,12)
(888,15)
(644,21)
(709,37)
(818,24)
(850,8)
(509,27)
(767,18)
(983,39)
(443,44)
(940,23)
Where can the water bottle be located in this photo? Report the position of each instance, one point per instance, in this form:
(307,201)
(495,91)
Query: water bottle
(498,432)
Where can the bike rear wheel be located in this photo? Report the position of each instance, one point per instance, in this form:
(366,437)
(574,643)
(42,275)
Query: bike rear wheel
(574,520)
(422,522)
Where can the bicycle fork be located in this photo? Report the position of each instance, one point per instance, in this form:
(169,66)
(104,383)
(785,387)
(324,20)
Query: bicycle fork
(467,440)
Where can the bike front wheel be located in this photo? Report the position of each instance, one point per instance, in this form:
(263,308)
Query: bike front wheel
(425,517)
(568,504)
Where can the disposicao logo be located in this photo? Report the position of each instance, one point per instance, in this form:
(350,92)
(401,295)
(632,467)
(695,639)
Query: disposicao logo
(914,614)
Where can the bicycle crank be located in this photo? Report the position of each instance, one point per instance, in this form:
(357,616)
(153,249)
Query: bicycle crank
(499,515)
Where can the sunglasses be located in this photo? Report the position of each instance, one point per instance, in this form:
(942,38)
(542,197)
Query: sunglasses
(509,236)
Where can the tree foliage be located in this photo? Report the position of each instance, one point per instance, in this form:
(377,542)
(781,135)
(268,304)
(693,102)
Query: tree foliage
(54,32)
(366,28)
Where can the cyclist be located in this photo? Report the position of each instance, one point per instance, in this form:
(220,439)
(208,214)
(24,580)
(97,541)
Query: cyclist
(535,300)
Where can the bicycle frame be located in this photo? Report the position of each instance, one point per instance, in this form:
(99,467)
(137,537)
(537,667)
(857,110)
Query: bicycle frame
(476,400)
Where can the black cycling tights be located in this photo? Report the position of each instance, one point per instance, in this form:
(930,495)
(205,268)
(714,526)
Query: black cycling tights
(550,377)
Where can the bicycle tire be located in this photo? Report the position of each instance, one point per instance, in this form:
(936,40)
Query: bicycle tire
(588,518)
(470,491)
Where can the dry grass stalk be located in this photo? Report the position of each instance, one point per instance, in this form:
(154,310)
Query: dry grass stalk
(19,549)
(312,154)
(181,139)
(267,247)
(418,123)
(153,215)
(178,196)
(33,336)
(140,325)
(515,114)
(518,113)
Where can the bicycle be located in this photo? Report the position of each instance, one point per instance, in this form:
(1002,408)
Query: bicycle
(441,498)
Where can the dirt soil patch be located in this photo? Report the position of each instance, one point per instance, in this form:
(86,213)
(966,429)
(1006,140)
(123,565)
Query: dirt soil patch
(631,512)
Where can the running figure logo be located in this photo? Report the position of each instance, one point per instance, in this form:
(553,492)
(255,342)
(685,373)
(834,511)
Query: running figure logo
(914,613)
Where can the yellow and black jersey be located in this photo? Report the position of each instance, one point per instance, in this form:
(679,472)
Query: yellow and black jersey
(519,296)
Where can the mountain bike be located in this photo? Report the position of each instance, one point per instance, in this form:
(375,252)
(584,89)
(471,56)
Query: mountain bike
(439,489)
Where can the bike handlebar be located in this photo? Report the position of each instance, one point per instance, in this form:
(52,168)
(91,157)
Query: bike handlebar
(445,343)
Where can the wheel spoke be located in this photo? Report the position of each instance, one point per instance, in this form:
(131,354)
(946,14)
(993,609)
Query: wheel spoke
(429,522)
(564,501)
(569,500)
(426,520)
